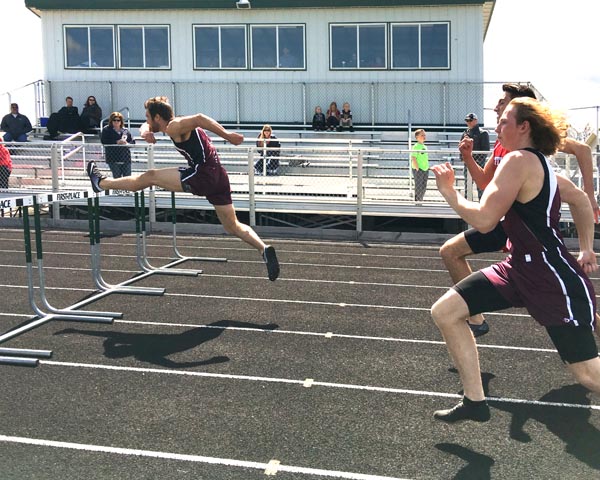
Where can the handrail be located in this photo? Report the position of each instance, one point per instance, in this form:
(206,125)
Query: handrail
(64,157)
(124,109)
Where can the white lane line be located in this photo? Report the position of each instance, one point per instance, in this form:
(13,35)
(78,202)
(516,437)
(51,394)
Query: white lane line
(276,300)
(192,458)
(252,277)
(156,257)
(254,378)
(327,335)
(366,254)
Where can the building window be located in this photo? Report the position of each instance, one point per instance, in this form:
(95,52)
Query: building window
(278,47)
(424,45)
(358,46)
(221,46)
(89,47)
(144,47)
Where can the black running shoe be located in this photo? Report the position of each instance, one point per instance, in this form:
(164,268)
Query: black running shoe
(270,258)
(479,330)
(95,176)
(465,410)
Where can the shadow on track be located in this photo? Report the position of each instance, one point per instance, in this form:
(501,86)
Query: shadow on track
(571,425)
(478,465)
(155,348)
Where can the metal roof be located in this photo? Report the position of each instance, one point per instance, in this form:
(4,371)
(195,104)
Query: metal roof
(38,6)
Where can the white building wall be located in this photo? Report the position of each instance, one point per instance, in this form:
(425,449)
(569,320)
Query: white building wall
(466,61)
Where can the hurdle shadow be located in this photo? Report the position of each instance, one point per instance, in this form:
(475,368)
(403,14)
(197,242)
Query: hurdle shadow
(478,465)
(571,425)
(155,348)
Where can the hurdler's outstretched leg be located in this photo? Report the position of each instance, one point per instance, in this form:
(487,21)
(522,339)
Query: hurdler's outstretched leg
(167,178)
(170,179)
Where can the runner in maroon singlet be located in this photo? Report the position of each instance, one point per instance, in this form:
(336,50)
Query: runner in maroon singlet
(455,251)
(204,175)
(539,273)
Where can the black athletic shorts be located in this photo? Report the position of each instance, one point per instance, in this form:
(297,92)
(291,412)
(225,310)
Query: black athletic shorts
(492,241)
(574,344)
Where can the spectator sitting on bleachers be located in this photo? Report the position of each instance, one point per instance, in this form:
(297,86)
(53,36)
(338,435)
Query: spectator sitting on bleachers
(66,120)
(346,117)
(333,116)
(15,125)
(5,165)
(91,116)
(318,122)
(266,141)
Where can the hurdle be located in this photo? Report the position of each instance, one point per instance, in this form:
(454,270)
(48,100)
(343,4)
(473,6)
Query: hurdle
(101,284)
(29,357)
(142,257)
(178,254)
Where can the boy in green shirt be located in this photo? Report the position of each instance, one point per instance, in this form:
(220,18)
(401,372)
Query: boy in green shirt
(420,164)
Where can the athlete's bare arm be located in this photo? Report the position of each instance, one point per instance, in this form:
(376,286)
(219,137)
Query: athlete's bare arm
(180,127)
(583,153)
(582,214)
(481,176)
(517,178)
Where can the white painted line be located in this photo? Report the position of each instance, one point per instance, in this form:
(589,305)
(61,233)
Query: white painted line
(253,378)
(272,467)
(329,335)
(308,382)
(190,458)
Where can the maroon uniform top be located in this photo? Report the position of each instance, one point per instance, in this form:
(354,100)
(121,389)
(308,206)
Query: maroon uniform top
(540,274)
(205,176)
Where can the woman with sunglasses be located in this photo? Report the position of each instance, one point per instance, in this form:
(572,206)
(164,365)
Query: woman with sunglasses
(91,115)
(115,137)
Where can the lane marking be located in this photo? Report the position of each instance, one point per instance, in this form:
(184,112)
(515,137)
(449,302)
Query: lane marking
(255,378)
(272,467)
(281,250)
(191,458)
(330,335)
(308,382)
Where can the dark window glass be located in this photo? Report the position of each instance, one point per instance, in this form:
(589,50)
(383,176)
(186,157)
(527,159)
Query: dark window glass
(132,47)
(102,51)
(157,47)
(207,47)
(76,41)
(344,51)
(264,47)
(371,46)
(434,46)
(405,46)
(291,47)
(233,47)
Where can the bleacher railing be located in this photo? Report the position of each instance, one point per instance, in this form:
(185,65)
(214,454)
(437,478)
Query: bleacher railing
(354,178)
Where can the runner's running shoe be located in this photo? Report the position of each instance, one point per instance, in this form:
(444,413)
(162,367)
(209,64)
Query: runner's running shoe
(95,176)
(270,258)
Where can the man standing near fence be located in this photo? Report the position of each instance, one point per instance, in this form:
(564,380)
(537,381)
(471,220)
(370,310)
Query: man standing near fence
(481,142)
(204,175)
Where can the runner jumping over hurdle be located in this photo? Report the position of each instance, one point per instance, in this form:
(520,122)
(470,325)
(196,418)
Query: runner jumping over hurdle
(203,177)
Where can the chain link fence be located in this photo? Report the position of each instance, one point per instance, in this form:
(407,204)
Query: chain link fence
(321,175)
(372,104)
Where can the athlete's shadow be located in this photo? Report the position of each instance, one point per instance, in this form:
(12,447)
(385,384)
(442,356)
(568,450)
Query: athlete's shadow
(571,425)
(478,465)
(156,348)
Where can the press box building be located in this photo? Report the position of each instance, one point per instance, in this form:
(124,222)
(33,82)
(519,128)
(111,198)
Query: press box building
(394,61)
